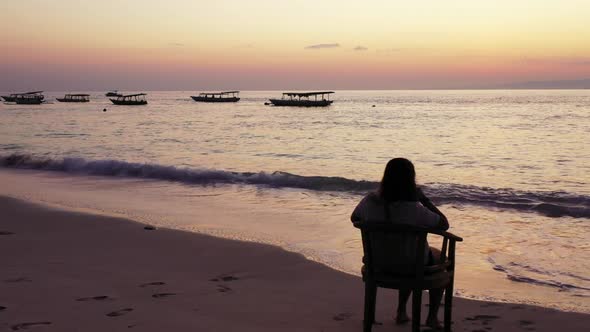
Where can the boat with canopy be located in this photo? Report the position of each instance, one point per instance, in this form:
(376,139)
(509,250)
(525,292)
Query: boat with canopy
(135,99)
(74,98)
(218,97)
(113,93)
(28,100)
(304,99)
(33,94)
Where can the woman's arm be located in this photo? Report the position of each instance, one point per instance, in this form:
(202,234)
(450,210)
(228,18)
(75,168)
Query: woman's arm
(444,222)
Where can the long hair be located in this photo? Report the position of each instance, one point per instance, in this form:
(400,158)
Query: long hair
(399,181)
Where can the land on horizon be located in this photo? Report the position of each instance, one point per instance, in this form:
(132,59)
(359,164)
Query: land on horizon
(581,84)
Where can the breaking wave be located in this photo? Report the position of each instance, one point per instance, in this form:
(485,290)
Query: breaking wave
(564,281)
(551,204)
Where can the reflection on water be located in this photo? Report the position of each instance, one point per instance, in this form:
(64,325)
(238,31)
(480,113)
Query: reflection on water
(525,140)
(511,167)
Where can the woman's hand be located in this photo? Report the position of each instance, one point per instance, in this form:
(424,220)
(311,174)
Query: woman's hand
(422,197)
(444,223)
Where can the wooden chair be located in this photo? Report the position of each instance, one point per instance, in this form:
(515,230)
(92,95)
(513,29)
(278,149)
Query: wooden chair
(386,265)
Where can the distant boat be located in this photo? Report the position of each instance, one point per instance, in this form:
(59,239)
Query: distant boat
(218,97)
(113,93)
(74,98)
(304,99)
(34,98)
(12,98)
(136,99)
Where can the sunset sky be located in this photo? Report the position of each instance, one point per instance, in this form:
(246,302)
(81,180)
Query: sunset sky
(290,44)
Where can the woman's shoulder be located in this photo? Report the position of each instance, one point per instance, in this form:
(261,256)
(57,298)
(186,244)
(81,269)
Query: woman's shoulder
(371,199)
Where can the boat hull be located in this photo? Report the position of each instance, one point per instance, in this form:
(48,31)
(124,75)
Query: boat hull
(129,102)
(215,100)
(28,101)
(64,100)
(13,99)
(301,103)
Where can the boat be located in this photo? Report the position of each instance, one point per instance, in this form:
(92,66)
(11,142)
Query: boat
(74,98)
(136,99)
(304,99)
(29,98)
(12,98)
(218,97)
(113,93)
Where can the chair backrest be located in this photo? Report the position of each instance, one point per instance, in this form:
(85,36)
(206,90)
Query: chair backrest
(393,249)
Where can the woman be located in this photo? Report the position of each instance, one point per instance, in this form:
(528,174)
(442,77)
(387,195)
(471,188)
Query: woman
(399,200)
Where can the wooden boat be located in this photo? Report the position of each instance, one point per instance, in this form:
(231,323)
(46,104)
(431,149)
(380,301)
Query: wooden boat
(304,99)
(74,98)
(113,93)
(12,98)
(29,99)
(136,99)
(218,97)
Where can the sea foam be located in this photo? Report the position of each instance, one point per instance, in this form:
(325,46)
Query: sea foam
(551,204)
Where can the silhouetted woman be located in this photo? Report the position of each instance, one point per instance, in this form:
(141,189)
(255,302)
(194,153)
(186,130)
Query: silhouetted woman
(399,200)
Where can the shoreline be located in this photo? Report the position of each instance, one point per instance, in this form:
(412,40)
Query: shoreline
(264,218)
(76,270)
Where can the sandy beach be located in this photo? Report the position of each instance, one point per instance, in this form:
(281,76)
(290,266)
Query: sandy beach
(68,271)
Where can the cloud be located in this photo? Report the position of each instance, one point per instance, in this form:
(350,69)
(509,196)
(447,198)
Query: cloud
(360,48)
(322,46)
(176,44)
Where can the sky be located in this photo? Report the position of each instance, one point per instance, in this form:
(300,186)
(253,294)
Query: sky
(290,44)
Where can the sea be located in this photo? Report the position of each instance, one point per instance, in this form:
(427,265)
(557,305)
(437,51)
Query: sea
(510,169)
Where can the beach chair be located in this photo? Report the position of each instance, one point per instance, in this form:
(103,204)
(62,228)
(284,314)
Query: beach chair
(386,265)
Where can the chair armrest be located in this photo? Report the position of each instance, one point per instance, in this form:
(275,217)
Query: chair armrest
(447,235)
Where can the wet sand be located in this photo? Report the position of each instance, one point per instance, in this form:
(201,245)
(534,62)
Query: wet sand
(68,271)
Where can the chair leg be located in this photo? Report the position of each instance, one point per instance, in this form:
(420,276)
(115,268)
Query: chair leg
(416,309)
(448,306)
(370,299)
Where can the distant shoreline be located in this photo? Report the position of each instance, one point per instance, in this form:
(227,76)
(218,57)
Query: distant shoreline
(342,90)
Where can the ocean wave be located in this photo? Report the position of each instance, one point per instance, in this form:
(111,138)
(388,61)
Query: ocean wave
(551,204)
(556,279)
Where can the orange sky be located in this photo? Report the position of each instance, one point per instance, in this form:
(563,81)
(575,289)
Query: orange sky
(296,44)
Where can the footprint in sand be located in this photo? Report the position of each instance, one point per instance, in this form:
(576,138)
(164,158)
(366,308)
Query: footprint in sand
(482,319)
(527,325)
(19,279)
(6,233)
(225,278)
(25,326)
(342,316)
(95,298)
(162,295)
(223,289)
(155,283)
(119,312)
